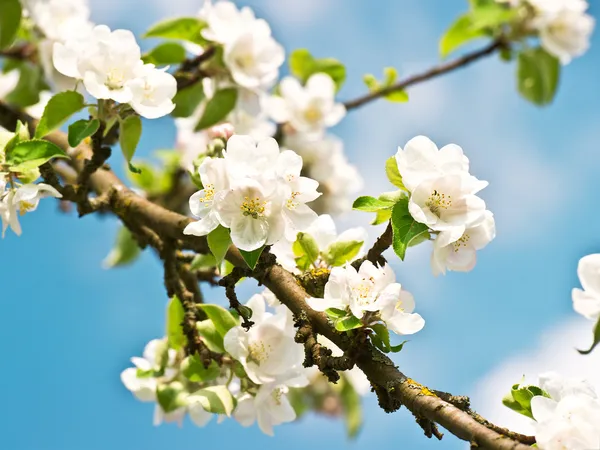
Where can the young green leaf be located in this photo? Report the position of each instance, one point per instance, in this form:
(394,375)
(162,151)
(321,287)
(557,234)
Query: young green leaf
(538,73)
(459,33)
(352,407)
(393,174)
(210,335)
(10,20)
(29,155)
(82,129)
(165,54)
(382,333)
(303,65)
(171,396)
(371,204)
(31,83)
(519,398)
(306,250)
(175,316)
(339,253)
(596,339)
(129,136)
(184,28)
(390,75)
(187,100)
(221,318)
(58,110)
(397,348)
(214,399)
(382,216)
(252,257)
(348,323)
(203,262)
(217,108)
(405,228)
(219,241)
(193,369)
(125,251)
(335,313)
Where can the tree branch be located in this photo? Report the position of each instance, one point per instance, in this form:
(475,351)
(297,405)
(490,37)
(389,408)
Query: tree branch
(428,75)
(392,386)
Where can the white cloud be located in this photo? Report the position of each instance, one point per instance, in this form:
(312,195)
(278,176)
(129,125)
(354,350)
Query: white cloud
(555,351)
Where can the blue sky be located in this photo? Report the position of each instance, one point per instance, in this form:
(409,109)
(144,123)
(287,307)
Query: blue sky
(68,327)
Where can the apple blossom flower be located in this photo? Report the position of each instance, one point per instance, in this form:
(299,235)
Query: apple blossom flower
(460,255)
(397,313)
(308,109)
(270,407)
(59,19)
(22,200)
(152,92)
(587,301)
(225,21)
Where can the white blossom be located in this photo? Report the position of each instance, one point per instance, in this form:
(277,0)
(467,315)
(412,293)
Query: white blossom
(225,21)
(22,200)
(267,351)
(460,255)
(587,301)
(309,109)
(59,20)
(153,92)
(270,407)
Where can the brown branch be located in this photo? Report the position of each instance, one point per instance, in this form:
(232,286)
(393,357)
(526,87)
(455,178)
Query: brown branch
(375,253)
(189,72)
(428,75)
(392,386)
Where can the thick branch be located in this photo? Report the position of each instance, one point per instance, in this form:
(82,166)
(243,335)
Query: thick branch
(428,75)
(392,386)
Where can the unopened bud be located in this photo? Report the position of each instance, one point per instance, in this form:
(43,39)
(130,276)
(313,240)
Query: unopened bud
(222,131)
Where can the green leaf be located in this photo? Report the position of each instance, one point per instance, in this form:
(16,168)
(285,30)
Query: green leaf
(252,257)
(21,134)
(393,174)
(214,399)
(371,204)
(210,335)
(82,129)
(10,19)
(348,323)
(218,107)
(459,33)
(538,73)
(187,100)
(165,54)
(219,241)
(397,348)
(28,155)
(405,228)
(175,316)
(382,216)
(306,250)
(339,253)
(382,333)
(220,317)
(352,407)
(596,339)
(184,28)
(193,369)
(303,65)
(491,15)
(171,396)
(31,83)
(335,313)
(58,110)
(129,136)
(125,251)
(519,398)
(390,75)
(203,262)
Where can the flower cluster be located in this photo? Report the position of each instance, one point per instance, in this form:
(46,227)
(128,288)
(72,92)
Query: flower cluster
(443,197)
(569,417)
(254,190)
(371,294)
(110,66)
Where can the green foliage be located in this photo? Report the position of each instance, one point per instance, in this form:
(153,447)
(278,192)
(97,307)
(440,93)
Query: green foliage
(339,253)
(10,19)
(219,241)
(217,108)
(187,100)
(393,174)
(175,316)
(596,339)
(171,396)
(210,335)
(538,75)
(214,399)
(222,319)
(382,216)
(371,204)
(165,54)
(29,155)
(390,76)
(303,65)
(306,251)
(348,323)
(31,83)
(182,28)
(460,33)
(405,229)
(125,251)
(58,110)
(519,398)
(352,407)
(193,369)
(203,262)
(252,257)
(381,339)
(82,129)
(129,137)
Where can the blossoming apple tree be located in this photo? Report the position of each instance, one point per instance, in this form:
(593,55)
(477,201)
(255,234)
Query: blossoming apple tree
(250,193)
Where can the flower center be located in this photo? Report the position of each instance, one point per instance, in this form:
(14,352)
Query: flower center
(462,242)
(258,352)
(276,396)
(437,202)
(24,207)
(245,61)
(399,306)
(115,79)
(253,207)
(291,202)
(363,291)
(313,114)
(209,193)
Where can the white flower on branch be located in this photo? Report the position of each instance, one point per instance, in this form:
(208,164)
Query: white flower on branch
(60,20)
(461,254)
(270,407)
(587,301)
(153,92)
(225,22)
(570,419)
(22,200)
(308,109)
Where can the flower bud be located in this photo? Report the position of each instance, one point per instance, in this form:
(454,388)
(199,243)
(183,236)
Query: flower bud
(223,131)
